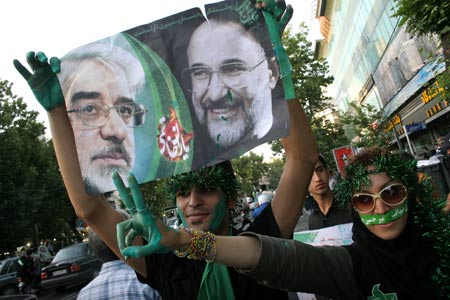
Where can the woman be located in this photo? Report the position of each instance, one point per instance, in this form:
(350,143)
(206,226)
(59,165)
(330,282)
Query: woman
(400,248)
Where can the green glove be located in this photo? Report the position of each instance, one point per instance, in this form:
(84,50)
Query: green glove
(277,15)
(43,82)
(142,223)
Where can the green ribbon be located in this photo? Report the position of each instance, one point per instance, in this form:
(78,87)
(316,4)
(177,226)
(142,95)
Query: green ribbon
(388,217)
(275,31)
(216,283)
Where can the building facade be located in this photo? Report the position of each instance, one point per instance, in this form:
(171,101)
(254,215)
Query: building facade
(375,61)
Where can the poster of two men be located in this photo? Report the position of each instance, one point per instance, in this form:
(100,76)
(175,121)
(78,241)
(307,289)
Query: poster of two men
(174,95)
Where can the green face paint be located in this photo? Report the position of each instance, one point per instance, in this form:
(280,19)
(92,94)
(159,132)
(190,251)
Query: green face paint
(183,220)
(388,217)
(218,215)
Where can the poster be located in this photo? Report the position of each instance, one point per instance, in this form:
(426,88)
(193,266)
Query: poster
(174,95)
(341,155)
(337,235)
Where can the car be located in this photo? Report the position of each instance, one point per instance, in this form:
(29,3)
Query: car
(72,266)
(8,276)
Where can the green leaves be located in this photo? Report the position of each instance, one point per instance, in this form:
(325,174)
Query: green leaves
(31,188)
(426,17)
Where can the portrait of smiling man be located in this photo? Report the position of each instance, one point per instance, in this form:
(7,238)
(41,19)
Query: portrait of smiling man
(231,79)
(100,81)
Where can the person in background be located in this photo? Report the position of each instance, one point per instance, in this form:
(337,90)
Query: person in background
(264,200)
(116,280)
(325,212)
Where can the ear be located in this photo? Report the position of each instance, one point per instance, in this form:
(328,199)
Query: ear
(273,72)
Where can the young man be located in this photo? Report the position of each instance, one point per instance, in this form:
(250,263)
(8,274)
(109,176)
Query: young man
(324,213)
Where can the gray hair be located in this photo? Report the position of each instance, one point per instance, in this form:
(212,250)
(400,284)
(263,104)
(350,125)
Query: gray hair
(114,52)
(101,250)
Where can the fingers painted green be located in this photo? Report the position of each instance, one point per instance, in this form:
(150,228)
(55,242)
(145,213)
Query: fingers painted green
(42,79)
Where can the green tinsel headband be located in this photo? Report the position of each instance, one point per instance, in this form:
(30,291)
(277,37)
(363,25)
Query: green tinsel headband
(218,176)
(397,165)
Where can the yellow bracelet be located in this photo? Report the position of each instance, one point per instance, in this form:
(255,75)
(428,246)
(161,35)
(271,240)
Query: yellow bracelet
(201,244)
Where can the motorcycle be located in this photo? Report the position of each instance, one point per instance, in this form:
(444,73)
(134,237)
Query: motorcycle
(28,285)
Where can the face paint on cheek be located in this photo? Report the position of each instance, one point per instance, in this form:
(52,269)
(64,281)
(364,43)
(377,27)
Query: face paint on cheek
(388,217)
(183,220)
(218,214)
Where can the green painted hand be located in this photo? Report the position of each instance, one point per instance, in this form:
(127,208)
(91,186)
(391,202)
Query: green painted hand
(142,223)
(43,81)
(277,15)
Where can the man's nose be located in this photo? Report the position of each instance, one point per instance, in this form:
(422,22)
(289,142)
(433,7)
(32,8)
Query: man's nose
(315,176)
(217,89)
(114,129)
(195,199)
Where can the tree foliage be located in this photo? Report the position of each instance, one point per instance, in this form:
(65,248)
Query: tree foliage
(311,77)
(156,196)
(426,17)
(275,169)
(249,170)
(33,201)
(365,122)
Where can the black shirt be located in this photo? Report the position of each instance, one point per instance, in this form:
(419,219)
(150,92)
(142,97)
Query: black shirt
(334,216)
(179,278)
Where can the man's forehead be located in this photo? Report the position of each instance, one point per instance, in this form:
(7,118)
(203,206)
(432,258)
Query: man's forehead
(220,40)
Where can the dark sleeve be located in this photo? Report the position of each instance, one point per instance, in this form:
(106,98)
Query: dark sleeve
(265,223)
(294,266)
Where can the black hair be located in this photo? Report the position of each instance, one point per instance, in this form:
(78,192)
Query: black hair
(322,160)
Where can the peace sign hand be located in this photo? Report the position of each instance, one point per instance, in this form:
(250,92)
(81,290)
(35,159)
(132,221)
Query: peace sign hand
(142,223)
(43,81)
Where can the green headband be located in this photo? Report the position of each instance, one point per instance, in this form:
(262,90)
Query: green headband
(396,165)
(210,177)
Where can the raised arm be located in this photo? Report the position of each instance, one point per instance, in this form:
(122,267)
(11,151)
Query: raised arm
(94,210)
(300,147)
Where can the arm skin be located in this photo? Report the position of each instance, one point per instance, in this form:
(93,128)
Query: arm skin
(300,147)
(94,210)
(301,157)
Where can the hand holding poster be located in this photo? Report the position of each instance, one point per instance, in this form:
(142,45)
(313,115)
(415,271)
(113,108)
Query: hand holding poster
(174,95)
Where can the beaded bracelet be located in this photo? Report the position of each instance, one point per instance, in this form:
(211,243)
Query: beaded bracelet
(201,244)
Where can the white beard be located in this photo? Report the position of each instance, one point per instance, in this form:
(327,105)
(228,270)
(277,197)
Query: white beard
(230,132)
(98,180)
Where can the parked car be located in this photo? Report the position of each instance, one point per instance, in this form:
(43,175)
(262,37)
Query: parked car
(71,266)
(8,276)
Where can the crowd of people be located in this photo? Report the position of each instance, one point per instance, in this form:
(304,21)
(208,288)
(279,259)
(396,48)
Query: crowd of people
(400,233)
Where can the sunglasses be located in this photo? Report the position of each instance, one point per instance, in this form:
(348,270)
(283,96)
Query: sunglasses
(392,195)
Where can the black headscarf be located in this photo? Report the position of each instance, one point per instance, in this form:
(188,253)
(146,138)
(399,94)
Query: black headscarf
(402,266)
